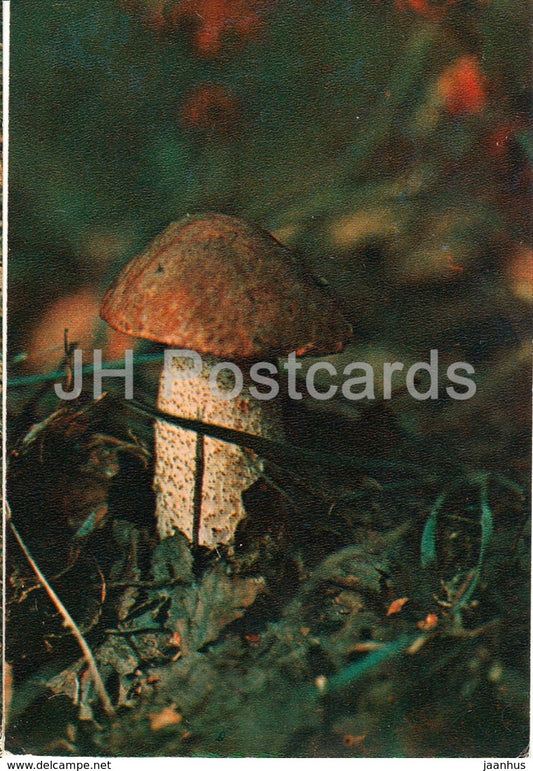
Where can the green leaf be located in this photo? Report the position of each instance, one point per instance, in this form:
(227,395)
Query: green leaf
(428,546)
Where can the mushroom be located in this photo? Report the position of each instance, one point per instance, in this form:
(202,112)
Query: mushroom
(214,285)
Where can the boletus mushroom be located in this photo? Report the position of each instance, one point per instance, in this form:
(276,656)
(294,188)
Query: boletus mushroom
(217,286)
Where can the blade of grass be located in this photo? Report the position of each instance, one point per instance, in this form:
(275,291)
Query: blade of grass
(487,529)
(88,369)
(372,660)
(428,546)
(276,451)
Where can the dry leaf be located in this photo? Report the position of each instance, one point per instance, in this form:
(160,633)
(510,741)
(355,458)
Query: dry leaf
(167,717)
(397,605)
(201,611)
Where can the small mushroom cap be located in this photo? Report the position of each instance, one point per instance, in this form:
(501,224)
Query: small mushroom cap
(216,285)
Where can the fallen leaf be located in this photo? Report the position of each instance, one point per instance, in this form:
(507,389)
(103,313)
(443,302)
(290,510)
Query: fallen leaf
(397,605)
(172,561)
(167,717)
(200,612)
(430,622)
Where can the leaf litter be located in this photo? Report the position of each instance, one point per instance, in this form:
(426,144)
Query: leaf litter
(283,645)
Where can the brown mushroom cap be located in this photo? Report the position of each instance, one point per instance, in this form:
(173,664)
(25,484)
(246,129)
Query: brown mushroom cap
(216,285)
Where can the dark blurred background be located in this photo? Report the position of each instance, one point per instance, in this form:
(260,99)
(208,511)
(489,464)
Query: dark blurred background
(385,139)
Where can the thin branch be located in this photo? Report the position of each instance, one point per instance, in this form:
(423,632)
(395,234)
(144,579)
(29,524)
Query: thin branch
(68,621)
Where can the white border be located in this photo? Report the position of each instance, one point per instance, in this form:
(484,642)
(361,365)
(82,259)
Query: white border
(6,8)
(185,763)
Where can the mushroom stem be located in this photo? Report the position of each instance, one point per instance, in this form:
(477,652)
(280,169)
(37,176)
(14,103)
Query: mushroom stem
(202,496)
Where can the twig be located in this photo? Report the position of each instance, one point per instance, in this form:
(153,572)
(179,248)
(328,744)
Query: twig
(68,621)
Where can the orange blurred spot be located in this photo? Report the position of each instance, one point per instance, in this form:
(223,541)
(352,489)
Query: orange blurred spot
(175,640)
(212,26)
(211,20)
(252,638)
(212,108)
(430,622)
(218,17)
(430,9)
(167,717)
(520,273)
(419,6)
(349,740)
(452,265)
(397,605)
(78,313)
(462,87)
